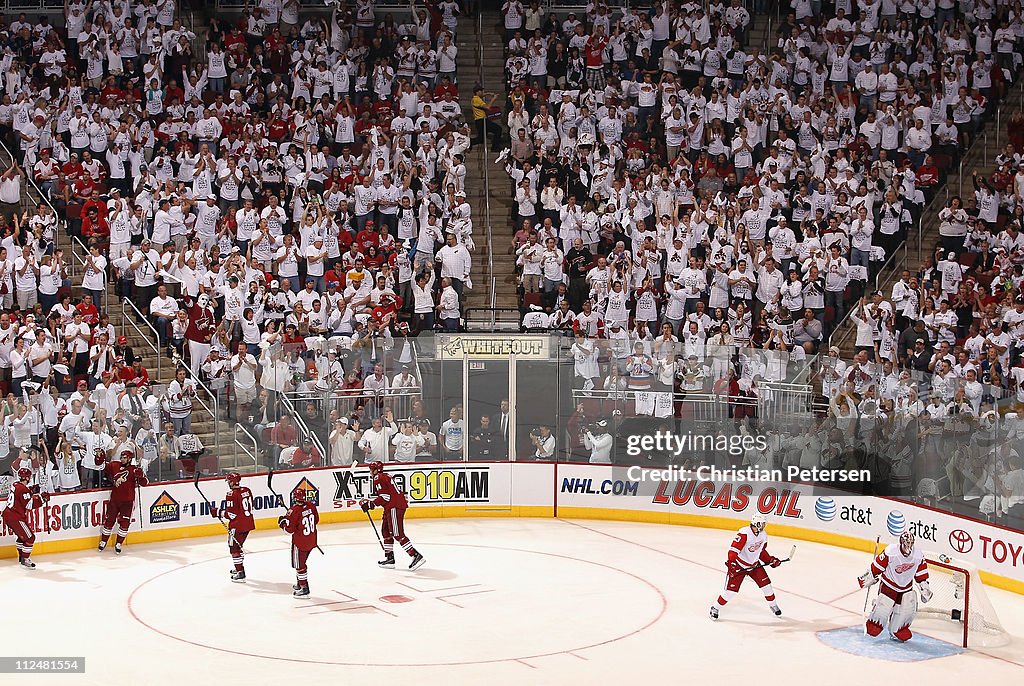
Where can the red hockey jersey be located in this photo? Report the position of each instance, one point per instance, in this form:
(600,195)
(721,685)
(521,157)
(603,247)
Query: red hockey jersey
(20,500)
(238,509)
(125,479)
(386,494)
(300,521)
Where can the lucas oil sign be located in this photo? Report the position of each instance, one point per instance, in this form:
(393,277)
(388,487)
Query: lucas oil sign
(422,486)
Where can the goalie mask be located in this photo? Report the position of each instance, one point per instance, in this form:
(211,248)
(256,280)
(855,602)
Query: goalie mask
(907,543)
(757,523)
(203,301)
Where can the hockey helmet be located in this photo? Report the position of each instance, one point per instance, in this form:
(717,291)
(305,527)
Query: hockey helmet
(24,473)
(907,542)
(376,467)
(233,479)
(299,495)
(127,455)
(758,522)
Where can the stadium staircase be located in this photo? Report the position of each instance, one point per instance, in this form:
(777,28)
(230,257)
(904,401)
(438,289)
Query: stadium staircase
(482,61)
(923,238)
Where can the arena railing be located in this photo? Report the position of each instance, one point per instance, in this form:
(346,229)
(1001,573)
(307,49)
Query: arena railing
(152,341)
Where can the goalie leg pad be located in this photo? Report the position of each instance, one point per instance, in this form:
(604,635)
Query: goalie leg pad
(903,615)
(881,612)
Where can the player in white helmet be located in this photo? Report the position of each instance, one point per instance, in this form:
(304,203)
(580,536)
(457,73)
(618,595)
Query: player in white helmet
(897,567)
(748,557)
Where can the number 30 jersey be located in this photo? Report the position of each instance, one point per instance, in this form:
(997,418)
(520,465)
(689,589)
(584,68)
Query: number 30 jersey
(300,521)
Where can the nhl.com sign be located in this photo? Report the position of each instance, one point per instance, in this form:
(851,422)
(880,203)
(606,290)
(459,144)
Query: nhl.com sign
(490,347)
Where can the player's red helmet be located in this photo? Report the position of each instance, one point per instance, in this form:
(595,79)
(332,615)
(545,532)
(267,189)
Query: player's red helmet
(299,495)
(233,479)
(24,473)
(127,455)
(376,467)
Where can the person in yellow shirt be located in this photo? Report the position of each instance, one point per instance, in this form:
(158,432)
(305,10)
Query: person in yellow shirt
(485,126)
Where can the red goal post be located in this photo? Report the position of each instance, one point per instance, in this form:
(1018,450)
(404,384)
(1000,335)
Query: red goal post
(959,596)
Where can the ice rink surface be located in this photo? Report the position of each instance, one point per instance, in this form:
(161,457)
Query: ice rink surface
(500,601)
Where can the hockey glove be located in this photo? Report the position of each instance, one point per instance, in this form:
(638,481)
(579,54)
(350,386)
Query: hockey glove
(213,511)
(926,592)
(774,562)
(866,579)
(46,499)
(734,567)
(364,504)
(282,522)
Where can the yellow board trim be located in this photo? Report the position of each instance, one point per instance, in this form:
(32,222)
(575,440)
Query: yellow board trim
(485,511)
(784,530)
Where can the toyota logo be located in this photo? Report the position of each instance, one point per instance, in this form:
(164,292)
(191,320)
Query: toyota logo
(961,541)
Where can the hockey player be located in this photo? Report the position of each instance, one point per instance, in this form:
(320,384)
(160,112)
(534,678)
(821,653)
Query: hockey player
(300,521)
(238,512)
(125,477)
(20,500)
(392,527)
(748,556)
(898,567)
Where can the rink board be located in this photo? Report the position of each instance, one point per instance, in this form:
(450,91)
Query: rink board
(176,510)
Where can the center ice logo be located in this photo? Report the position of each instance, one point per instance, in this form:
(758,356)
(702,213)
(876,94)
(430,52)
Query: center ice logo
(164,509)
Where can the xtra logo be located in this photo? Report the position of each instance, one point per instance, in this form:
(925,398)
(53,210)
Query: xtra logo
(825,508)
(164,509)
(312,492)
(895,523)
(961,541)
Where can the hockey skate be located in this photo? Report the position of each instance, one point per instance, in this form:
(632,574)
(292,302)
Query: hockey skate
(714,613)
(103,546)
(388,562)
(117,548)
(28,564)
(301,592)
(417,562)
(238,577)
(776,609)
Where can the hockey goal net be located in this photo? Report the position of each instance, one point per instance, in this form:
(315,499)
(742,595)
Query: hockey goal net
(960,605)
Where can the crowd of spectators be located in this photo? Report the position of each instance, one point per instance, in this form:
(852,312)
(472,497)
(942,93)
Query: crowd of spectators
(698,212)
(293,173)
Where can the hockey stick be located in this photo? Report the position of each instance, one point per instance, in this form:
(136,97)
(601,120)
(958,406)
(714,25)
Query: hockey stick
(867,590)
(376,533)
(195,482)
(270,485)
(142,516)
(792,554)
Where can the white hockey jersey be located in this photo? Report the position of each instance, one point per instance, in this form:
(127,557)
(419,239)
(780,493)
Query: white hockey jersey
(748,547)
(899,571)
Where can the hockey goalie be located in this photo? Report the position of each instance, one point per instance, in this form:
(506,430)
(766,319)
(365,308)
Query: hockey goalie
(896,568)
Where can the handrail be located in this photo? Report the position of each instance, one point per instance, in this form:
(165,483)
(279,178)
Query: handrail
(304,430)
(215,412)
(41,197)
(238,444)
(487,178)
(127,303)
